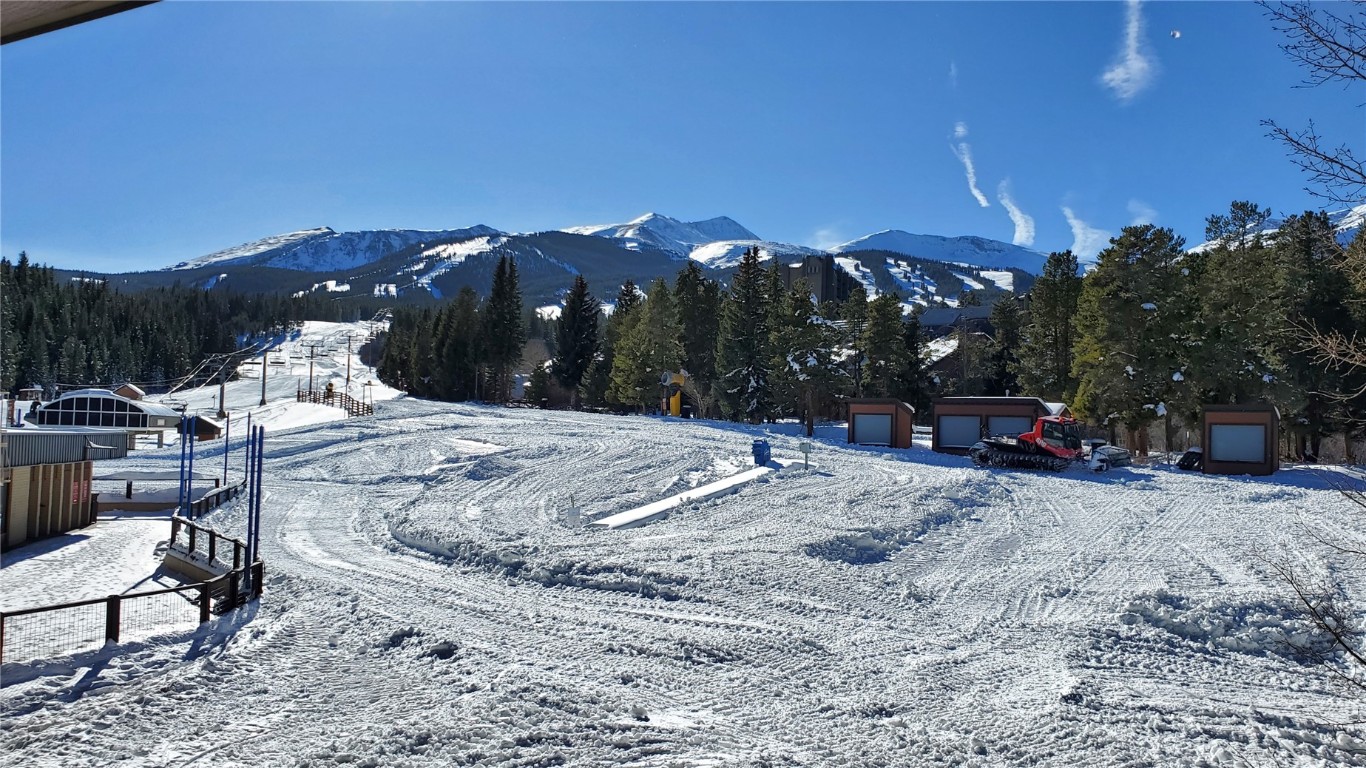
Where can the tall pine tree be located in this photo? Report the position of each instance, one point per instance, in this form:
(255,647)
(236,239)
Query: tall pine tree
(743,354)
(1044,367)
(576,338)
(504,334)
(1130,348)
(649,349)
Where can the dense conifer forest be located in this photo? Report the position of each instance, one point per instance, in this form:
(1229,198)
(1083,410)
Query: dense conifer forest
(74,333)
(1147,335)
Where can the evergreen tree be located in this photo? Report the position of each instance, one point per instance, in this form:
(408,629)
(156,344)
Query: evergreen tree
(461,352)
(1313,293)
(576,339)
(504,333)
(885,345)
(1232,290)
(598,379)
(649,349)
(1044,366)
(1002,359)
(742,354)
(1130,349)
(854,315)
(912,386)
(699,323)
(805,369)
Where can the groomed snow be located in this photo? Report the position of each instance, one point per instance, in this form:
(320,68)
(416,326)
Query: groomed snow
(1004,279)
(426,606)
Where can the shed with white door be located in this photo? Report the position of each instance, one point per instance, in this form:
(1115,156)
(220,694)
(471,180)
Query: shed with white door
(959,422)
(1241,439)
(881,421)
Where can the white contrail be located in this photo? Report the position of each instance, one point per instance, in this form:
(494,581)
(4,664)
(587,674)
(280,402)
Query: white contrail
(1087,241)
(964,154)
(1024,223)
(1133,69)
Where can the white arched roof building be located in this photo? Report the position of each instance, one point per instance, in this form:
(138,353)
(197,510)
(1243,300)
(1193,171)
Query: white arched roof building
(102,408)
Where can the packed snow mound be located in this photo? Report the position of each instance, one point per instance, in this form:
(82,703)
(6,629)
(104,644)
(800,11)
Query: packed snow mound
(1345,223)
(967,249)
(669,234)
(325,250)
(724,254)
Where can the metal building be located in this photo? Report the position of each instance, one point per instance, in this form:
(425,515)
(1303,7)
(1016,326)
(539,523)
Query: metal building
(46,480)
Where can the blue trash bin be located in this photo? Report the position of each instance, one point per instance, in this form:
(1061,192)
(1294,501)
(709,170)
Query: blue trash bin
(761,452)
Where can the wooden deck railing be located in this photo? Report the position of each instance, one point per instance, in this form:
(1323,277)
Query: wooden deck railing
(351,405)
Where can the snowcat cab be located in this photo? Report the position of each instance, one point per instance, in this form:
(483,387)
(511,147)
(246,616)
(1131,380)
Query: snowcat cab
(1054,443)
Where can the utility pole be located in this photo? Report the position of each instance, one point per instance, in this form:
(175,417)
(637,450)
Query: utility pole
(265,363)
(349,338)
(312,351)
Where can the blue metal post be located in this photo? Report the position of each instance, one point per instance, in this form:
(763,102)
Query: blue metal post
(189,474)
(260,479)
(247,469)
(227,447)
(251,498)
(257,442)
(180,499)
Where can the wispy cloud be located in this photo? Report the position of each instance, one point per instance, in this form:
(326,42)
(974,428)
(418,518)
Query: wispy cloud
(964,154)
(826,238)
(953,74)
(1134,67)
(1141,213)
(1087,240)
(1024,223)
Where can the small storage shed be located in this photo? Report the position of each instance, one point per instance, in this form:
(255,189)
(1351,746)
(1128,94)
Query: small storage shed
(130,391)
(961,421)
(207,429)
(881,421)
(1241,439)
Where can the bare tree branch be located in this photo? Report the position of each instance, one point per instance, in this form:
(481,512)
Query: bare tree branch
(1328,617)
(1338,175)
(1331,48)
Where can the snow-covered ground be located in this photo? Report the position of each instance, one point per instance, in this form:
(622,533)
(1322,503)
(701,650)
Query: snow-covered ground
(427,605)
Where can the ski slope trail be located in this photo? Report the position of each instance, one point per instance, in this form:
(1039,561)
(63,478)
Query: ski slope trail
(426,605)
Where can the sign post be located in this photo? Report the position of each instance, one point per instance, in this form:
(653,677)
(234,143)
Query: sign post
(805,448)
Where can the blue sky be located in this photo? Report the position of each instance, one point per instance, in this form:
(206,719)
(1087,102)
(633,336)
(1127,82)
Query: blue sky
(182,128)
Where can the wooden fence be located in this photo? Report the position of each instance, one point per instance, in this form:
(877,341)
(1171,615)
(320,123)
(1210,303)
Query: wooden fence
(56,630)
(214,500)
(351,405)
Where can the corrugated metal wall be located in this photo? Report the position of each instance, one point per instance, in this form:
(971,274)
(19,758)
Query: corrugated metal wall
(28,447)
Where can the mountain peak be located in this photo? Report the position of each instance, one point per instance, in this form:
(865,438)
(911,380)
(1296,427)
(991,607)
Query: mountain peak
(966,249)
(680,238)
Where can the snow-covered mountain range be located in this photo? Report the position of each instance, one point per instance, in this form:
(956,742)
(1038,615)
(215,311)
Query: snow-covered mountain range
(325,250)
(975,251)
(717,243)
(436,263)
(924,269)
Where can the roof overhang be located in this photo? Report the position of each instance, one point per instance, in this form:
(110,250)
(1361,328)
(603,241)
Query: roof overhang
(20,19)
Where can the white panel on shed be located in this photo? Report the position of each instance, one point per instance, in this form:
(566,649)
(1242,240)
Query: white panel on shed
(959,431)
(873,428)
(1013,426)
(1237,442)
